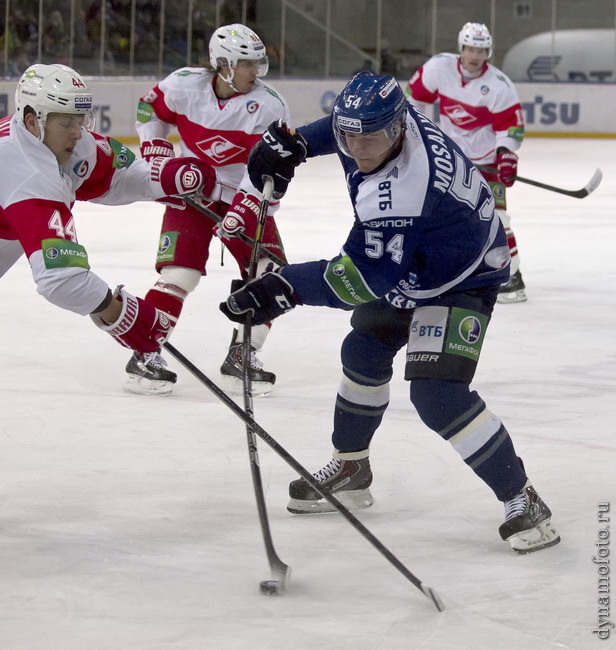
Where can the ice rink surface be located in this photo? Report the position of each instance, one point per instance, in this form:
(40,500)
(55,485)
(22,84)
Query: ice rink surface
(129,522)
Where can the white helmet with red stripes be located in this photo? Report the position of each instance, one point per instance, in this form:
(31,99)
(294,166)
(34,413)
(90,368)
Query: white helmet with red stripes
(475,35)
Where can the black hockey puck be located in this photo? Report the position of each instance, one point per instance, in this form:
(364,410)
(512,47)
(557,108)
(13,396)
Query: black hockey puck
(270,587)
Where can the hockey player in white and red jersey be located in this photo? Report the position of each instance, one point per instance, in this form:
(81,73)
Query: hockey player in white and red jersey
(480,110)
(49,158)
(219,112)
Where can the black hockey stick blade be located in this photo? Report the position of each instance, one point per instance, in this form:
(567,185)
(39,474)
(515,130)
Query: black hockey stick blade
(590,187)
(303,472)
(280,571)
(434,597)
(216,218)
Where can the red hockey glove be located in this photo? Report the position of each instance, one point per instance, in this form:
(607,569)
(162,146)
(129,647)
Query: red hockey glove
(156,148)
(140,326)
(183,176)
(277,155)
(265,298)
(507,165)
(244,211)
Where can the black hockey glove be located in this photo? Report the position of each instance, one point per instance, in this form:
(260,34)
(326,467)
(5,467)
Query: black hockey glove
(277,155)
(266,298)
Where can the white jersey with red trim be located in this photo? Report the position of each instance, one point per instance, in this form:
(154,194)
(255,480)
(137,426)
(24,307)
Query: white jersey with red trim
(221,132)
(480,114)
(36,199)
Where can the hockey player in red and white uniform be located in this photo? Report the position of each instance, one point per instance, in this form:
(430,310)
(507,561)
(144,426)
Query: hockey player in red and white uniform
(49,158)
(480,110)
(219,112)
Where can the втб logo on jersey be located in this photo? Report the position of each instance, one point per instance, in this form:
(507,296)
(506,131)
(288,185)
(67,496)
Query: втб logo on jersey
(459,115)
(219,149)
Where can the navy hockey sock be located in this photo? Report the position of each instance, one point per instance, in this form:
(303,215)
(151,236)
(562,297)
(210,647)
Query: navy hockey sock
(461,417)
(363,394)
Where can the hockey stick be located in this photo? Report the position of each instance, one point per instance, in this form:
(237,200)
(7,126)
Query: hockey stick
(303,472)
(280,571)
(590,187)
(240,235)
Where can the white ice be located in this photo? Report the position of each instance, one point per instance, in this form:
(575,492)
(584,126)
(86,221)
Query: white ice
(129,522)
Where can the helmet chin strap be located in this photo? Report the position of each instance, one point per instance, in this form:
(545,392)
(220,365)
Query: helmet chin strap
(41,126)
(229,80)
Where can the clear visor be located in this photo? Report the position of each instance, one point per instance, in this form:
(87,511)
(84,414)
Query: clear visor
(261,65)
(363,146)
(67,122)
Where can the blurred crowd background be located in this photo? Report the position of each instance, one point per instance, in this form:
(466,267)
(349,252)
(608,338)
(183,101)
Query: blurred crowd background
(304,38)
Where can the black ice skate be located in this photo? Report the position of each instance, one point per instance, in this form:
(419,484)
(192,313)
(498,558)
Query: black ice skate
(527,524)
(512,291)
(347,475)
(262,381)
(147,375)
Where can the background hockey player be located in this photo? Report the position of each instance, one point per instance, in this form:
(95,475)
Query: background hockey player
(480,110)
(421,267)
(220,113)
(49,158)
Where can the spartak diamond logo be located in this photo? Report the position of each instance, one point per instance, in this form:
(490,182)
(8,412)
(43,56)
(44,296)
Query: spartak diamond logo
(459,115)
(219,149)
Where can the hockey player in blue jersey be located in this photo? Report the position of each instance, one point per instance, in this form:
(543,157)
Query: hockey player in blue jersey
(421,267)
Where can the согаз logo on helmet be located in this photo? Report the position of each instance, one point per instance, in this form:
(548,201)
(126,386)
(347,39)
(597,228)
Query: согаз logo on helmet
(349,124)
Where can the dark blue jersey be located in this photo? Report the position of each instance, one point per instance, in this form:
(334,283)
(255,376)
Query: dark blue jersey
(424,225)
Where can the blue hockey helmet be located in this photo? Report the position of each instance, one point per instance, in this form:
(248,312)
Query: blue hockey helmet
(367,104)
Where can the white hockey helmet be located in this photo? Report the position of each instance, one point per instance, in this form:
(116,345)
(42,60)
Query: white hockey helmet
(231,43)
(53,88)
(475,35)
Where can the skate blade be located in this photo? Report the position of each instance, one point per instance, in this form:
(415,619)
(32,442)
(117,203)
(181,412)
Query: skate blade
(141,386)
(235,386)
(511,297)
(528,541)
(351,499)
